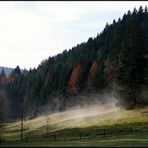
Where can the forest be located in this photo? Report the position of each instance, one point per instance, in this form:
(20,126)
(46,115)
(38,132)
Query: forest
(115,60)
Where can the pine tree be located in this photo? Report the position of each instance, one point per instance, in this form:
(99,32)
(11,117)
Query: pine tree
(131,64)
(146,9)
(99,80)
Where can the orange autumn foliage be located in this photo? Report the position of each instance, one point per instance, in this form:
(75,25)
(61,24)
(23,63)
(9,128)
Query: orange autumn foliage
(74,78)
(92,72)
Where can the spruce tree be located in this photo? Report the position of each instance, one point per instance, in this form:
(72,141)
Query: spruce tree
(131,65)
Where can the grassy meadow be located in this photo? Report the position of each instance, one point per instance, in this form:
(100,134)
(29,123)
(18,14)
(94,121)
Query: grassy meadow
(91,126)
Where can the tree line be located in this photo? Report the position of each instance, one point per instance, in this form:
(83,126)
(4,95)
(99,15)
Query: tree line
(117,52)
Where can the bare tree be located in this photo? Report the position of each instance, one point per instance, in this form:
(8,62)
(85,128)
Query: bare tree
(26,113)
(47,125)
(23,112)
(22,123)
(22,118)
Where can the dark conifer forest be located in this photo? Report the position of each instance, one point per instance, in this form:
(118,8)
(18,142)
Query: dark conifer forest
(116,59)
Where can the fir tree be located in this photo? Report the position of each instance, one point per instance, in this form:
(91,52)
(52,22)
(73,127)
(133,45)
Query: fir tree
(131,65)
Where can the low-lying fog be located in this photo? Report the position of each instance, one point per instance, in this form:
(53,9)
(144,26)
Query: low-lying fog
(87,115)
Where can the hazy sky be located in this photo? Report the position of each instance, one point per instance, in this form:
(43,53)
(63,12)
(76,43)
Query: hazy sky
(33,31)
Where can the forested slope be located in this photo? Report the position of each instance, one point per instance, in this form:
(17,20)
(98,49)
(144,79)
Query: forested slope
(110,59)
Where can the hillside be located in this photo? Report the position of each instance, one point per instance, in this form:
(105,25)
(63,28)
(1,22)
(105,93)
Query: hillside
(91,126)
(112,61)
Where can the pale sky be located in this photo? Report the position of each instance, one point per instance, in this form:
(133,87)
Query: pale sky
(32,31)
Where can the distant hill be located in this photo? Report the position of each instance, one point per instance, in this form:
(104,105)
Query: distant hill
(7,70)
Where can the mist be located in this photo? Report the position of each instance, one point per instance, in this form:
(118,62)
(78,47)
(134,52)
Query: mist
(96,106)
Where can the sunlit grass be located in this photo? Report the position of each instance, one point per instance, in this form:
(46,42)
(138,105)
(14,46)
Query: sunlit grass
(69,124)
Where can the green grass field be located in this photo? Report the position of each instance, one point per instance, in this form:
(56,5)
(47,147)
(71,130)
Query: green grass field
(81,127)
